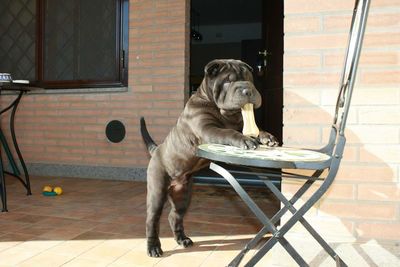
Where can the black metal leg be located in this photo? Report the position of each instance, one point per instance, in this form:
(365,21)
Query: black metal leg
(303,221)
(235,262)
(297,195)
(297,215)
(3,191)
(27,183)
(277,236)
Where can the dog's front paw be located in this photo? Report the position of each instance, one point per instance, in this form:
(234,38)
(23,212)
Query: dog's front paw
(267,139)
(154,248)
(247,142)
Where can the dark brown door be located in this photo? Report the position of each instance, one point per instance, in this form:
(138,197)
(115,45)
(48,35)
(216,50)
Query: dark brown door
(266,57)
(273,77)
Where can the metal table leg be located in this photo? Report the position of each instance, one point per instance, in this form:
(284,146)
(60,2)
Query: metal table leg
(3,192)
(16,173)
(27,183)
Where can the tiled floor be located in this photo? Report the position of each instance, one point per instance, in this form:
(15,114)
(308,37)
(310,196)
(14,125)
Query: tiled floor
(101,223)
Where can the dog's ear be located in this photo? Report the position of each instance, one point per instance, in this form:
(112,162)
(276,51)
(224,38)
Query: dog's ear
(247,66)
(213,67)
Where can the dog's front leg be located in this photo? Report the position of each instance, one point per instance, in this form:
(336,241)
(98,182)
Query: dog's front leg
(228,137)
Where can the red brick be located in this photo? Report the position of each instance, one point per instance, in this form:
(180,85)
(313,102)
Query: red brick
(380,19)
(365,134)
(301,135)
(167,104)
(378,230)
(314,6)
(301,97)
(83,151)
(380,77)
(379,115)
(83,105)
(375,96)
(316,42)
(308,116)
(359,172)
(368,58)
(311,79)
(143,88)
(337,191)
(301,61)
(302,24)
(350,153)
(336,23)
(380,153)
(359,210)
(379,192)
(378,40)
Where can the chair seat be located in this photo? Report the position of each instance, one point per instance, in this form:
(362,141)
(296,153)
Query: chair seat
(266,157)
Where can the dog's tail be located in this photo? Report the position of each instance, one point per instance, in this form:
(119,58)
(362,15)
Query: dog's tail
(150,144)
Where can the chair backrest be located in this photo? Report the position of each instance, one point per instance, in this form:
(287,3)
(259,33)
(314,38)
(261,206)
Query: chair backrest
(352,56)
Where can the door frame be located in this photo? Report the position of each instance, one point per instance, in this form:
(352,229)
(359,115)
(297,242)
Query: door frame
(273,35)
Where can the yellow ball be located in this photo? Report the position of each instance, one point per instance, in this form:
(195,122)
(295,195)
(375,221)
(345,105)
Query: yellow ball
(58,190)
(47,189)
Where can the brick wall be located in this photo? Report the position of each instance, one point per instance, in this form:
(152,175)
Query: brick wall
(366,194)
(69,129)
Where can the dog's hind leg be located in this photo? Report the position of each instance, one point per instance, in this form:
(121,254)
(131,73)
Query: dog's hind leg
(179,197)
(157,188)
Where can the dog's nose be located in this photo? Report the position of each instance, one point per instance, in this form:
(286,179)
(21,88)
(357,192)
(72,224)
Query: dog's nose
(246,92)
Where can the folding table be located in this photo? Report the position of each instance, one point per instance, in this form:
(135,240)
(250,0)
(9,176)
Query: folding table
(267,163)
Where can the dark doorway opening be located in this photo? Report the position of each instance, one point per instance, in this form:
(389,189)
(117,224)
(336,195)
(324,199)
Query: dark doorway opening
(251,31)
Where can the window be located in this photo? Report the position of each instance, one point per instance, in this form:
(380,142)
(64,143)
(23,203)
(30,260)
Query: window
(65,43)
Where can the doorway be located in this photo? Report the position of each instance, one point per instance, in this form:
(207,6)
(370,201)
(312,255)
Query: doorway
(251,31)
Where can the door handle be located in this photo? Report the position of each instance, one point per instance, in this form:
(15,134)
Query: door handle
(264,53)
(262,60)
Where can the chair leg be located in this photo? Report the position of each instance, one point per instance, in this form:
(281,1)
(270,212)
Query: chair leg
(250,245)
(302,220)
(298,214)
(297,195)
(276,235)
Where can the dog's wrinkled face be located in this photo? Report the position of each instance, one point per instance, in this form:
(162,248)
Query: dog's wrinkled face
(231,83)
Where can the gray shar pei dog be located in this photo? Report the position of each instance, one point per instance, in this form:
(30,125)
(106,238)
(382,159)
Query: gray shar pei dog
(212,115)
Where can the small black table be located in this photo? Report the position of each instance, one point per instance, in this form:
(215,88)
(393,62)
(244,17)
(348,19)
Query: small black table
(20,89)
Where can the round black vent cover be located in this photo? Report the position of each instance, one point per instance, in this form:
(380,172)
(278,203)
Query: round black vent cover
(115,131)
